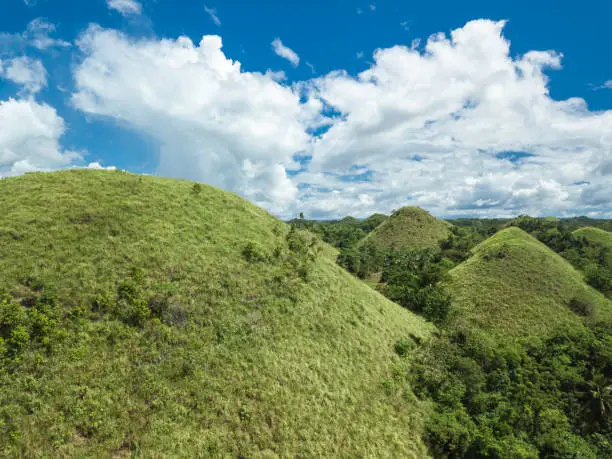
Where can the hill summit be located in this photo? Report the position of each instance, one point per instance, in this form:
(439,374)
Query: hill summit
(514,285)
(142,315)
(409,228)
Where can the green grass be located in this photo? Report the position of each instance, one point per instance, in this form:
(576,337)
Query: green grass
(279,357)
(599,237)
(409,228)
(513,285)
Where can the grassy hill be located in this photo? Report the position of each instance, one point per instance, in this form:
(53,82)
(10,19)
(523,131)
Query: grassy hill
(409,228)
(158,317)
(599,237)
(514,285)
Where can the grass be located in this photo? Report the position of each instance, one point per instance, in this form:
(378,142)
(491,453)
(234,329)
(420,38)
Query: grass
(273,357)
(513,285)
(599,237)
(409,228)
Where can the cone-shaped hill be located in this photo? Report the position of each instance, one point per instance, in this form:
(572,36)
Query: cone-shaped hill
(170,319)
(599,237)
(409,228)
(514,285)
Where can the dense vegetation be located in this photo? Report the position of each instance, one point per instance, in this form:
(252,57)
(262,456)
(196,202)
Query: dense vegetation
(522,365)
(160,318)
(526,398)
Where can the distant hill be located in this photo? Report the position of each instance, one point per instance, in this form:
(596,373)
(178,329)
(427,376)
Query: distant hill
(599,237)
(513,285)
(409,228)
(164,318)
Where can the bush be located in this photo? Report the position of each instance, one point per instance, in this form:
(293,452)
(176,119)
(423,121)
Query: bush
(132,306)
(581,307)
(253,252)
(403,347)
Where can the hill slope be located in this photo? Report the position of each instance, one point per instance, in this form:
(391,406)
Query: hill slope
(599,237)
(158,317)
(515,285)
(409,228)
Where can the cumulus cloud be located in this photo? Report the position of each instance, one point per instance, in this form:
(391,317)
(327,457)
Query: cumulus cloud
(96,165)
(125,7)
(24,71)
(285,52)
(460,127)
(37,35)
(212,121)
(213,15)
(29,138)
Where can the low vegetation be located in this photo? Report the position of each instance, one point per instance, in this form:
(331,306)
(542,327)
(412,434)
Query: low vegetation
(153,317)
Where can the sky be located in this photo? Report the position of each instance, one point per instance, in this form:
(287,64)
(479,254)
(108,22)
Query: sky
(330,108)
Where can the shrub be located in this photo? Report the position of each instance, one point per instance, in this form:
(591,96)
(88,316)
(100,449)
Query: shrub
(403,346)
(581,307)
(196,188)
(497,252)
(253,252)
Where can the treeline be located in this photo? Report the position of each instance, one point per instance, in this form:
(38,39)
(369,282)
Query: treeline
(366,259)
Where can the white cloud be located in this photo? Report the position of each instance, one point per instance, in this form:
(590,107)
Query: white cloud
(360,54)
(459,126)
(276,75)
(29,138)
(432,128)
(606,85)
(37,35)
(213,15)
(285,52)
(212,121)
(99,166)
(311,67)
(24,71)
(125,7)
(372,7)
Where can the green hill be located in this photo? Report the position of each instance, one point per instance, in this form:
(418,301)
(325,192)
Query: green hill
(514,285)
(599,237)
(163,318)
(409,228)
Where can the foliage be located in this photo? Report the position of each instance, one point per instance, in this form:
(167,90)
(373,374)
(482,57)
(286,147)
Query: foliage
(527,398)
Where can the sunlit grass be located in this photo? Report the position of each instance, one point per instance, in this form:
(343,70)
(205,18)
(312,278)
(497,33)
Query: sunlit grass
(247,368)
(409,228)
(514,285)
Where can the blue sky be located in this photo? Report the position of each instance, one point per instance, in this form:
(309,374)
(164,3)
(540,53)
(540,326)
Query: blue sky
(420,126)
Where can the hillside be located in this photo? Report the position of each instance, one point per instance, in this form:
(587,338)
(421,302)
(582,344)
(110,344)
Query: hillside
(515,285)
(159,317)
(599,237)
(409,228)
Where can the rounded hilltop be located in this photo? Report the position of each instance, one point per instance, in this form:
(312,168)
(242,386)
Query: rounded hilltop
(514,285)
(409,228)
(170,318)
